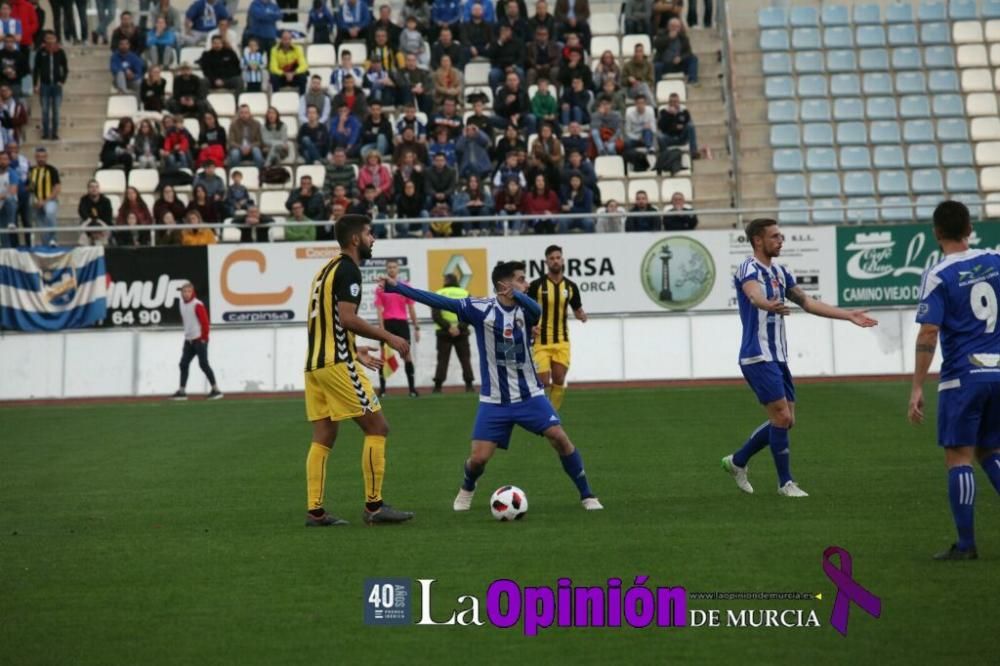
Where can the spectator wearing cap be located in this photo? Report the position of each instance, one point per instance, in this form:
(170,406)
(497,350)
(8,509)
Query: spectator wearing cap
(126,69)
(44,186)
(353,18)
(51,71)
(221,66)
(288,65)
(262,24)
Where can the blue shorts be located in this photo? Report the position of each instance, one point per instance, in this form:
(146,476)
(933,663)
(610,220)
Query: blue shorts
(969,415)
(770,380)
(495,423)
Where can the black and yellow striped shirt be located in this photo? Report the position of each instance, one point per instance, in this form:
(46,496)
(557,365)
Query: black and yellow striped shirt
(42,180)
(554,297)
(329,342)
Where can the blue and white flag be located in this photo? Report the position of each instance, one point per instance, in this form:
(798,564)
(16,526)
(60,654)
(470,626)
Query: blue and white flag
(45,289)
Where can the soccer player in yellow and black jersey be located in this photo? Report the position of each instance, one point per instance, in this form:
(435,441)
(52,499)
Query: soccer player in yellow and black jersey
(335,389)
(555,293)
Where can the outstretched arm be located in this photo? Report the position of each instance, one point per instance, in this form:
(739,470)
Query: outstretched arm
(428,298)
(821,309)
(926,345)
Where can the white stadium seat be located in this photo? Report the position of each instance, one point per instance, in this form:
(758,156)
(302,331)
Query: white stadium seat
(985,129)
(671,185)
(287,103)
(967,32)
(598,45)
(321,55)
(993,205)
(988,153)
(144,180)
(613,190)
(629,42)
(315,171)
(477,74)
(276,234)
(648,185)
(981,104)
(272,203)
(977,80)
(604,23)
(257,101)
(358,51)
(665,88)
(251,177)
(191,55)
(112,181)
(609,166)
(223,103)
(122,106)
(989,179)
(972,55)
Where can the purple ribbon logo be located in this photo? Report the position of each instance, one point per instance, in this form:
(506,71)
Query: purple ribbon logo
(848,590)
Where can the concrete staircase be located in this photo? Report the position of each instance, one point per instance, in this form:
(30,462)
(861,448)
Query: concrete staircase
(85,97)
(756,177)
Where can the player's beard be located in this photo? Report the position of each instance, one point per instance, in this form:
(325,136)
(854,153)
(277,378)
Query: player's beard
(556,270)
(365,252)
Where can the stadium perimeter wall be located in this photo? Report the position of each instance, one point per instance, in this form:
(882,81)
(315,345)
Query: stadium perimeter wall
(642,327)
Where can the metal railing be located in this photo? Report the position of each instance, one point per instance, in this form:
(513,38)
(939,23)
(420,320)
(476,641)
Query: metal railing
(729,91)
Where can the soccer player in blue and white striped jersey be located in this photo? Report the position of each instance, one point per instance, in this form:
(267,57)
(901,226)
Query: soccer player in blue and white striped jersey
(959,300)
(511,392)
(762,286)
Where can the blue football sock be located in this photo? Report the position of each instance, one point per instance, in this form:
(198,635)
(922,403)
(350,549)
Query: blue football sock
(471,475)
(962,495)
(778,439)
(991,466)
(758,440)
(573,464)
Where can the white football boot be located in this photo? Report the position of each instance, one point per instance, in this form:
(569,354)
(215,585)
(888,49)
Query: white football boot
(791,489)
(463,501)
(591,504)
(738,473)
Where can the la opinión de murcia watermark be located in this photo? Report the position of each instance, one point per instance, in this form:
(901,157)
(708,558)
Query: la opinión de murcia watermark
(617,603)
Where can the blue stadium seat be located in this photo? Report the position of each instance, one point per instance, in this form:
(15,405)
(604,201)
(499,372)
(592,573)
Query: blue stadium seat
(817,134)
(805,38)
(952,129)
(962,179)
(821,159)
(838,38)
(880,108)
(914,106)
(927,181)
(772,17)
(852,134)
(785,136)
(939,57)
(889,157)
(910,83)
(922,156)
(813,85)
(848,108)
(824,185)
(892,182)
(782,111)
(790,186)
(855,157)
(828,211)
(907,58)
(918,131)
(777,63)
(942,81)
(870,36)
(845,84)
(948,106)
(804,17)
(815,110)
(774,40)
(903,35)
(897,209)
(793,216)
(837,14)
(874,60)
(991,9)
(932,11)
(926,203)
(867,14)
(935,33)
(779,87)
(877,83)
(861,210)
(956,154)
(841,61)
(971,202)
(962,10)
(899,12)
(808,62)
(859,183)
(885,132)
(787,160)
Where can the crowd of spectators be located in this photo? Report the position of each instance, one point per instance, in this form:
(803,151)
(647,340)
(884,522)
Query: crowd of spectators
(403,133)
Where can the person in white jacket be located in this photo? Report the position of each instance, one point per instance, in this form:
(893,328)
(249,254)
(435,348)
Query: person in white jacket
(640,125)
(194,315)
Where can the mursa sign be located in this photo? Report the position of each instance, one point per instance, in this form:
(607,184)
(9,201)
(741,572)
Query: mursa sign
(883,265)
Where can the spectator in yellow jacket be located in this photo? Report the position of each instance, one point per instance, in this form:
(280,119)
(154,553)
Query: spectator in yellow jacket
(288,65)
(194,233)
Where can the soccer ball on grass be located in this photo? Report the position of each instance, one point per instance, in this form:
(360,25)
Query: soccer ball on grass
(509,503)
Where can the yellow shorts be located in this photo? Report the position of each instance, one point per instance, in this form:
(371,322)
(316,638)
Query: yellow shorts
(546,355)
(336,393)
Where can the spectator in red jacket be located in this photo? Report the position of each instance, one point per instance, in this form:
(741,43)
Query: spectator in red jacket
(25,12)
(539,203)
(194,315)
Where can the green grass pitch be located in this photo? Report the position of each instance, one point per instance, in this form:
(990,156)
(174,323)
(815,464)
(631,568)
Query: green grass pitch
(172,533)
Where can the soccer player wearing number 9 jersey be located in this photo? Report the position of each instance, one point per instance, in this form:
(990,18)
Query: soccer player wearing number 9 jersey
(959,302)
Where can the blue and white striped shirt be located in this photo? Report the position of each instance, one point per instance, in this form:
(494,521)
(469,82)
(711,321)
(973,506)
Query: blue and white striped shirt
(503,337)
(763,332)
